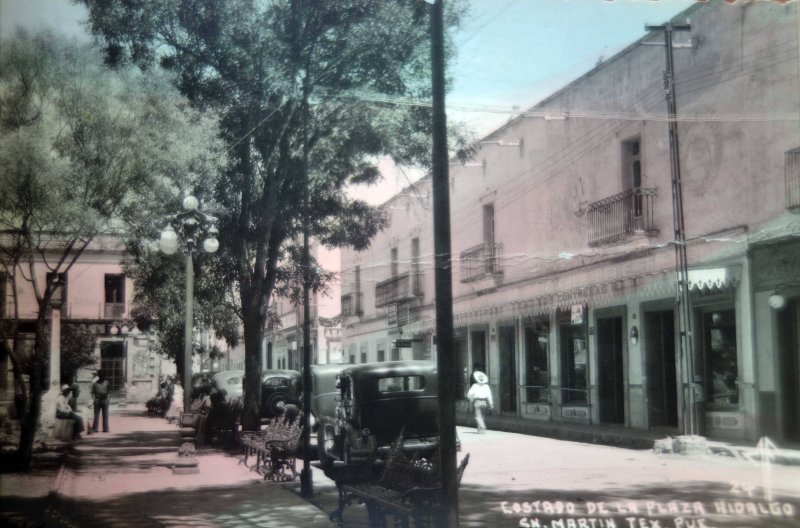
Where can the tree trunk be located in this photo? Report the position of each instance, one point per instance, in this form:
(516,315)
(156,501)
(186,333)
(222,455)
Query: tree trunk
(30,420)
(253,334)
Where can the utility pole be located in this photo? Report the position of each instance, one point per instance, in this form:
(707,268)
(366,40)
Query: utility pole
(443,275)
(694,396)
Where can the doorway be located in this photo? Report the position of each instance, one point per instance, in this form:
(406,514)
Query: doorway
(112,363)
(610,373)
(508,371)
(788,330)
(660,368)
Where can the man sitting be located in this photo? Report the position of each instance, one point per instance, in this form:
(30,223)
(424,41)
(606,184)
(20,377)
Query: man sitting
(65,412)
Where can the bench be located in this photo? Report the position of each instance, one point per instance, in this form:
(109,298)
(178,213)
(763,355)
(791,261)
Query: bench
(405,487)
(275,449)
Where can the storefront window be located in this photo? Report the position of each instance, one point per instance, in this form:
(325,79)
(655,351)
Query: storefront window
(537,380)
(574,361)
(719,351)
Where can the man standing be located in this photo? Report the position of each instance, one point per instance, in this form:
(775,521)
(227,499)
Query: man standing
(65,412)
(100,396)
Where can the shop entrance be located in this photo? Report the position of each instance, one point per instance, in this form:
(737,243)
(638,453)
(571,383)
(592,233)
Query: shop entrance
(508,372)
(112,363)
(789,336)
(660,368)
(611,375)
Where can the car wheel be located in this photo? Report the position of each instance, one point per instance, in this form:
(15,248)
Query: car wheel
(326,444)
(276,404)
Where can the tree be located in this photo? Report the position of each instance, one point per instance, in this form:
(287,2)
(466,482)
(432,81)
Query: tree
(310,94)
(84,153)
(77,350)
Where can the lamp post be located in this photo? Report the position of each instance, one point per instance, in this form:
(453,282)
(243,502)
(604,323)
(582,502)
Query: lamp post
(192,224)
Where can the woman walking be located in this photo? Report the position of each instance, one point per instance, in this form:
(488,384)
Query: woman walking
(100,394)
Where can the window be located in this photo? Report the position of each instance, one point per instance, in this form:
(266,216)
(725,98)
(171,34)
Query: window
(2,295)
(357,279)
(488,224)
(537,381)
(416,278)
(792,171)
(59,285)
(632,171)
(395,354)
(381,352)
(114,296)
(394,262)
(352,354)
(401,383)
(719,353)
(364,349)
(574,364)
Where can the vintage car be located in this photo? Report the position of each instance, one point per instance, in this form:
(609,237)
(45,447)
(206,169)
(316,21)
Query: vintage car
(228,384)
(376,403)
(278,388)
(325,393)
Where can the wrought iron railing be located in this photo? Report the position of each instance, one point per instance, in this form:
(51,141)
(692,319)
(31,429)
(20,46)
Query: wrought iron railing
(792,168)
(620,215)
(478,262)
(114,310)
(352,304)
(392,290)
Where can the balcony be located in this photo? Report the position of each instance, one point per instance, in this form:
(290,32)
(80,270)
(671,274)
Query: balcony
(352,304)
(621,215)
(394,290)
(792,169)
(479,262)
(113,310)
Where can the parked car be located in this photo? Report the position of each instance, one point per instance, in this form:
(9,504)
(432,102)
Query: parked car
(376,402)
(325,394)
(278,388)
(228,384)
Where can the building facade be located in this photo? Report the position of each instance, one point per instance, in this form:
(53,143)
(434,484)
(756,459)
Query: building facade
(563,234)
(283,347)
(95,294)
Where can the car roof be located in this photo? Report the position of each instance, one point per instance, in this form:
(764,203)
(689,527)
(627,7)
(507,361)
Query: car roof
(391,368)
(265,374)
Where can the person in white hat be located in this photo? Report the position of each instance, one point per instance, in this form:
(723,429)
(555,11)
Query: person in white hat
(65,412)
(480,396)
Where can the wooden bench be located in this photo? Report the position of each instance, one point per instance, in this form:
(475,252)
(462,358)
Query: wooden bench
(405,488)
(275,449)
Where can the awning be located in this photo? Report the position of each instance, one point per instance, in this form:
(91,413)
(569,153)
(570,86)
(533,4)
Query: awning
(645,286)
(709,278)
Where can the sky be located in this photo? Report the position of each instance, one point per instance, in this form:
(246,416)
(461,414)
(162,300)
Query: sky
(510,54)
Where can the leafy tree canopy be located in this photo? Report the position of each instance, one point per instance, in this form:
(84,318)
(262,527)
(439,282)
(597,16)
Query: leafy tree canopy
(310,95)
(84,152)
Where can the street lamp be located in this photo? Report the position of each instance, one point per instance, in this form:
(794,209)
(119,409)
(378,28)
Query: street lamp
(192,224)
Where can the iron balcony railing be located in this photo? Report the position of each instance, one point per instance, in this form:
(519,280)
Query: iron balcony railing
(352,304)
(620,215)
(478,262)
(114,310)
(395,289)
(792,169)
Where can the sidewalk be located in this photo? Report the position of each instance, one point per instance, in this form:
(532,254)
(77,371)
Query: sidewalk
(124,478)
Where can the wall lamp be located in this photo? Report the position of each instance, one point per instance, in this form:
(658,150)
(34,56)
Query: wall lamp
(634,335)
(777,300)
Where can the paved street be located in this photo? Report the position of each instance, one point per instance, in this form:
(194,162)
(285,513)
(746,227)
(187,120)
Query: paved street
(123,479)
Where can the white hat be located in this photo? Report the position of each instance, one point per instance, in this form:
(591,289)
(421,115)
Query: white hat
(65,387)
(480,377)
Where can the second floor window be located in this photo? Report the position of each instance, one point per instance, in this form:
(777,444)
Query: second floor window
(394,262)
(114,285)
(59,285)
(632,170)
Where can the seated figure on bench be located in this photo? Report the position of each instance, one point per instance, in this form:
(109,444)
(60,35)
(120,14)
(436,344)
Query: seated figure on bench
(65,412)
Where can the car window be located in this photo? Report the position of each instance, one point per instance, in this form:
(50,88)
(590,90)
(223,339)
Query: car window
(401,383)
(234,381)
(276,382)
